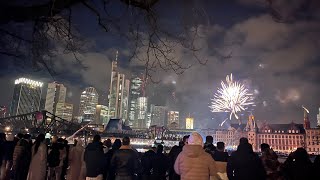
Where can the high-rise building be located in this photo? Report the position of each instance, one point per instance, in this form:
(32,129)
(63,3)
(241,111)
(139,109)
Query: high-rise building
(135,92)
(101,116)
(173,119)
(88,101)
(64,110)
(141,113)
(189,123)
(118,94)
(318,118)
(26,96)
(158,115)
(56,93)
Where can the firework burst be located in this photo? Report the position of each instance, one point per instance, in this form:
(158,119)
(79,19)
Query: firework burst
(232,97)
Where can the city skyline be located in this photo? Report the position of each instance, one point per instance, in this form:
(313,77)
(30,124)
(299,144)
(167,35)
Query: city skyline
(277,60)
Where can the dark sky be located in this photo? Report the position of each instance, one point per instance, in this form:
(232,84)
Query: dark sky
(279,61)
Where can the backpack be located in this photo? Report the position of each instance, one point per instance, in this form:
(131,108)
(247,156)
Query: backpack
(54,157)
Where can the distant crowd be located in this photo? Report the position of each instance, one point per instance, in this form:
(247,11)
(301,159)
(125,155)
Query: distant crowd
(192,159)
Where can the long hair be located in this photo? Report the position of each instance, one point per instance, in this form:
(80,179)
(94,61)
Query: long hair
(40,138)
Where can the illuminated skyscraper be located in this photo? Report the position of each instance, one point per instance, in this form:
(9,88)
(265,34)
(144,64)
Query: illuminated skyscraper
(189,123)
(101,116)
(136,91)
(158,115)
(173,118)
(26,96)
(141,113)
(64,110)
(88,101)
(56,93)
(118,94)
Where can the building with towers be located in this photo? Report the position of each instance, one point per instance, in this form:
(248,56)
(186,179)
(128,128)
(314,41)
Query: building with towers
(118,93)
(26,96)
(56,93)
(88,101)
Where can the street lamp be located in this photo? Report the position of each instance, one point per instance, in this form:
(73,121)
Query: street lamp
(7,128)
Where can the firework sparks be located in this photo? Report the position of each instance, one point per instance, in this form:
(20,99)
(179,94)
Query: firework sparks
(232,97)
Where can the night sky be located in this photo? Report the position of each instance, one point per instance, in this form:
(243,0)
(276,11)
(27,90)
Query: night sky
(279,61)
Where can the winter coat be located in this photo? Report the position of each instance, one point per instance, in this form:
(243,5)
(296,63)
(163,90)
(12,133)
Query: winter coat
(221,156)
(194,163)
(76,163)
(8,151)
(271,164)
(173,154)
(146,162)
(21,159)
(38,166)
(159,166)
(245,164)
(125,162)
(94,157)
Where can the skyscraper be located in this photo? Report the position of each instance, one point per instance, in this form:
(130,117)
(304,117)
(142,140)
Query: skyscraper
(88,101)
(56,93)
(64,110)
(173,119)
(135,93)
(141,113)
(101,116)
(26,96)
(158,115)
(118,93)
(189,123)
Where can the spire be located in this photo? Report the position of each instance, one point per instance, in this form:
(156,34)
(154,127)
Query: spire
(251,123)
(306,122)
(117,56)
(115,63)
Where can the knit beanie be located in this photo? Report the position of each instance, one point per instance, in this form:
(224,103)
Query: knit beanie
(195,139)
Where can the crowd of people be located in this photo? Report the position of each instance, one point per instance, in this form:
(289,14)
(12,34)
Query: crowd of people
(192,159)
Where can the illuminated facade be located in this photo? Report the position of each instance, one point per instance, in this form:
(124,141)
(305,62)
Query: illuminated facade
(189,123)
(88,101)
(56,93)
(101,116)
(118,93)
(313,140)
(26,96)
(135,92)
(281,137)
(158,115)
(318,119)
(141,113)
(173,119)
(64,110)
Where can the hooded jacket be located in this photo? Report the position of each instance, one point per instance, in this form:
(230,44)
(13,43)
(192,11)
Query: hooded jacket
(194,163)
(245,164)
(93,157)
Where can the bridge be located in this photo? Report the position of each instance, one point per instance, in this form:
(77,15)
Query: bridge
(39,122)
(46,122)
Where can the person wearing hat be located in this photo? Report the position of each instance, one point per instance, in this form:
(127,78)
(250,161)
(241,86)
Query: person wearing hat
(193,162)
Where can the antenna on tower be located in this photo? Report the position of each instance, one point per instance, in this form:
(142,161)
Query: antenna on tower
(117,55)
(305,109)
